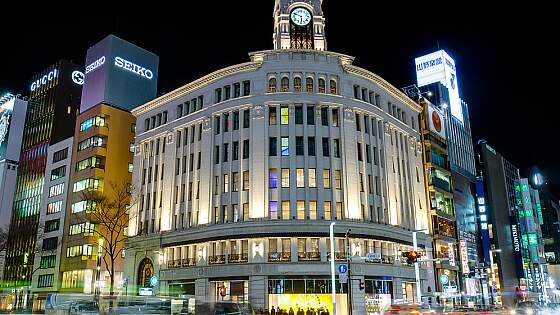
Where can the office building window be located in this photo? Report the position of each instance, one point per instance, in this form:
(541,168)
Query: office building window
(299,115)
(327,178)
(62,154)
(226,183)
(246,211)
(285,178)
(58,172)
(297,84)
(333,86)
(246,149)
(216,154)
(246,88)
(338,179)
(245,180)
(322,88)
(235,151)
(358,122)
(246,118)
(236,120)
(56,190)
(285,210)
(309,85)
(336,148)
(272,146)
(311,146)
(312,177)
(284,115)
(324,116)
(313,210)
(273,210)
(285,150)
(55,207)
(335,122)
(272,85)
(339,215)
(225,153)
(300,209)
(299,146)
(359,148)
(325,145)
(284,84)
(272,116)
(327,207)
(300,178)
(235,181)
(273,178)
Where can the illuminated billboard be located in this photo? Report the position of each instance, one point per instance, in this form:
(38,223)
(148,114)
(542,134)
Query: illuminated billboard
(120,74)
(440,67)
(435,120)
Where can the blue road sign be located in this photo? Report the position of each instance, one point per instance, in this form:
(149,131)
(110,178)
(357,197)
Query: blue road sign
(342,268)
(444,279)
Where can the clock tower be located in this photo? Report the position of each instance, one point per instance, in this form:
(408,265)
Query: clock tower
(299,24)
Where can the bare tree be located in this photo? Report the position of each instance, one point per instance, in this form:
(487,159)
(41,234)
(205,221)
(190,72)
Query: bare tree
(110,217)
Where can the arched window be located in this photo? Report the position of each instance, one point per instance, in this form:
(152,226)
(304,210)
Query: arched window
(297,84)
(309,85)
(145,272)
(272,85)
(285,84)
(333,86)
(322,85)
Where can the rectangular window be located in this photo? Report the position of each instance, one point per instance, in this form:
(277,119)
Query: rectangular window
(236,120)
(273,210)
(370,184)
(336,148)
(338,179)
(217,95)
(245,180)
(225,153)
(88,183)
(313,210)
(312,177)
(377,186)
(226,183)
(216,127)
(246,88)
(82,145)
(335,122)
(60,155)
(227,92)
(55,207)
(236,90)
(284,115)
(58,172)
(56,190)
(216,185)
(299,115)
(246,118)
(45,281)
(179,111)
(285,210)
(273,178)
(366,124)
(300,178)
(216,154)
(89,205)
(324,116)
(272,116)
(86,228)
(358,122)
(52,225)
(375,156)
(47,262)
(339,215)
(368,155)
(272,146)
(328,210)
(245,211)
(246,149)
(326,149)
(300,209)
(299,146)
(285,178)
(310,115)
(285,150)
(235,151)
(235,176)
(311,146)
(50,243)
(359,148)
(327,178)
(361,182)
(91,162)
(96,121)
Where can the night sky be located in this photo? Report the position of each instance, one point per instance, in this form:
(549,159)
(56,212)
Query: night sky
(506,56)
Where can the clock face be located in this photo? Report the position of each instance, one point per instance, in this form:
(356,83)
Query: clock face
(300,16)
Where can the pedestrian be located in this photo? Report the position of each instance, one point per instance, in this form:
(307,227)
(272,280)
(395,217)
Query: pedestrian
(291,311)
(272,311)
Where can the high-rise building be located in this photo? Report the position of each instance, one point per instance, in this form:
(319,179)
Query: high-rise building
(51,113)
(237,189)
(510,218)
(118,77)
(12,119)
(438,82)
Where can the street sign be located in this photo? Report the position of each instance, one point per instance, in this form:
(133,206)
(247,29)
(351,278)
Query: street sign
(373,256)
(154,280)
(444,279)
(343,278)
(342,268)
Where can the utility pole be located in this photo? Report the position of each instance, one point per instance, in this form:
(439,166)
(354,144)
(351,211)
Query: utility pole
(333,283)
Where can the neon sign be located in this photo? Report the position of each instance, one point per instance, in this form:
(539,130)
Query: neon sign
(53,74)
(96,64)
(134,68)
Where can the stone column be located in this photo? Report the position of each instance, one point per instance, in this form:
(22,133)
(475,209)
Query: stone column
(258,292)
(202,290)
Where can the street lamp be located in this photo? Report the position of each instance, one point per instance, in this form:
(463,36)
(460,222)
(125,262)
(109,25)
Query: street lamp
(333,284)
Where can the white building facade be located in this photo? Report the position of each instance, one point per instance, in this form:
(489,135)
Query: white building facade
(238,188)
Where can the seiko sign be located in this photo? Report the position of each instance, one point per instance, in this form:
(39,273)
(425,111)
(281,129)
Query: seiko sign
(132,67)
(96,64)
(53,74)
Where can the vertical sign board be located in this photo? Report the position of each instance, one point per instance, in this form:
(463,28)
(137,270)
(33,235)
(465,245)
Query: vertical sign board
(435,120)
(464,256)
(120,74)
(5,120)
(440,67)
(483,215)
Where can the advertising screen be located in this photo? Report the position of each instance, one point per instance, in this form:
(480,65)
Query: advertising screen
(435,120)
(309,301)
(5,120)
(440,67)
(120,74)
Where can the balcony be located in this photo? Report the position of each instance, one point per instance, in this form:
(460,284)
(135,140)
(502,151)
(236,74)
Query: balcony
(337,256)
(309,256)
(440,183)
(279,257)
(188,262)
(238,258)
(217,259)
(385,259)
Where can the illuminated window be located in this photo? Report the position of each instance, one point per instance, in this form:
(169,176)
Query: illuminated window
(300,207)
(245,211)
(226,183)
(85,205)
(273,178)
(284,115)
(245,180)
(326,178)
(300,178)
(309,85)
(235,186)
(337,179)
(339,211)
(313,210)
(131,167)
(272,118)
(94,141)
(328,210)
(285,177)
(322,88)
(54,207)
(312,177)
(216,185)
(85,228)
(284,84)
(56,190)
(273,210)
(58,172)
(96,121)
(285,210)
(272,85)
(89,184)
(297,84)
(333,87)
(91,162)
(285,146)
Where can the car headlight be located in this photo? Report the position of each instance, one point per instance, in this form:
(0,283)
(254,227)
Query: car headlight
(512,312)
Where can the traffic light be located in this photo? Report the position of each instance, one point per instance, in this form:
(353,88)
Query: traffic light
(362,285)
(222,291)
(411,256)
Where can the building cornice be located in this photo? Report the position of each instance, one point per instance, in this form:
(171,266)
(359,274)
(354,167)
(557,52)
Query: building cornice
(381,82)
(197,84)
(258,55)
